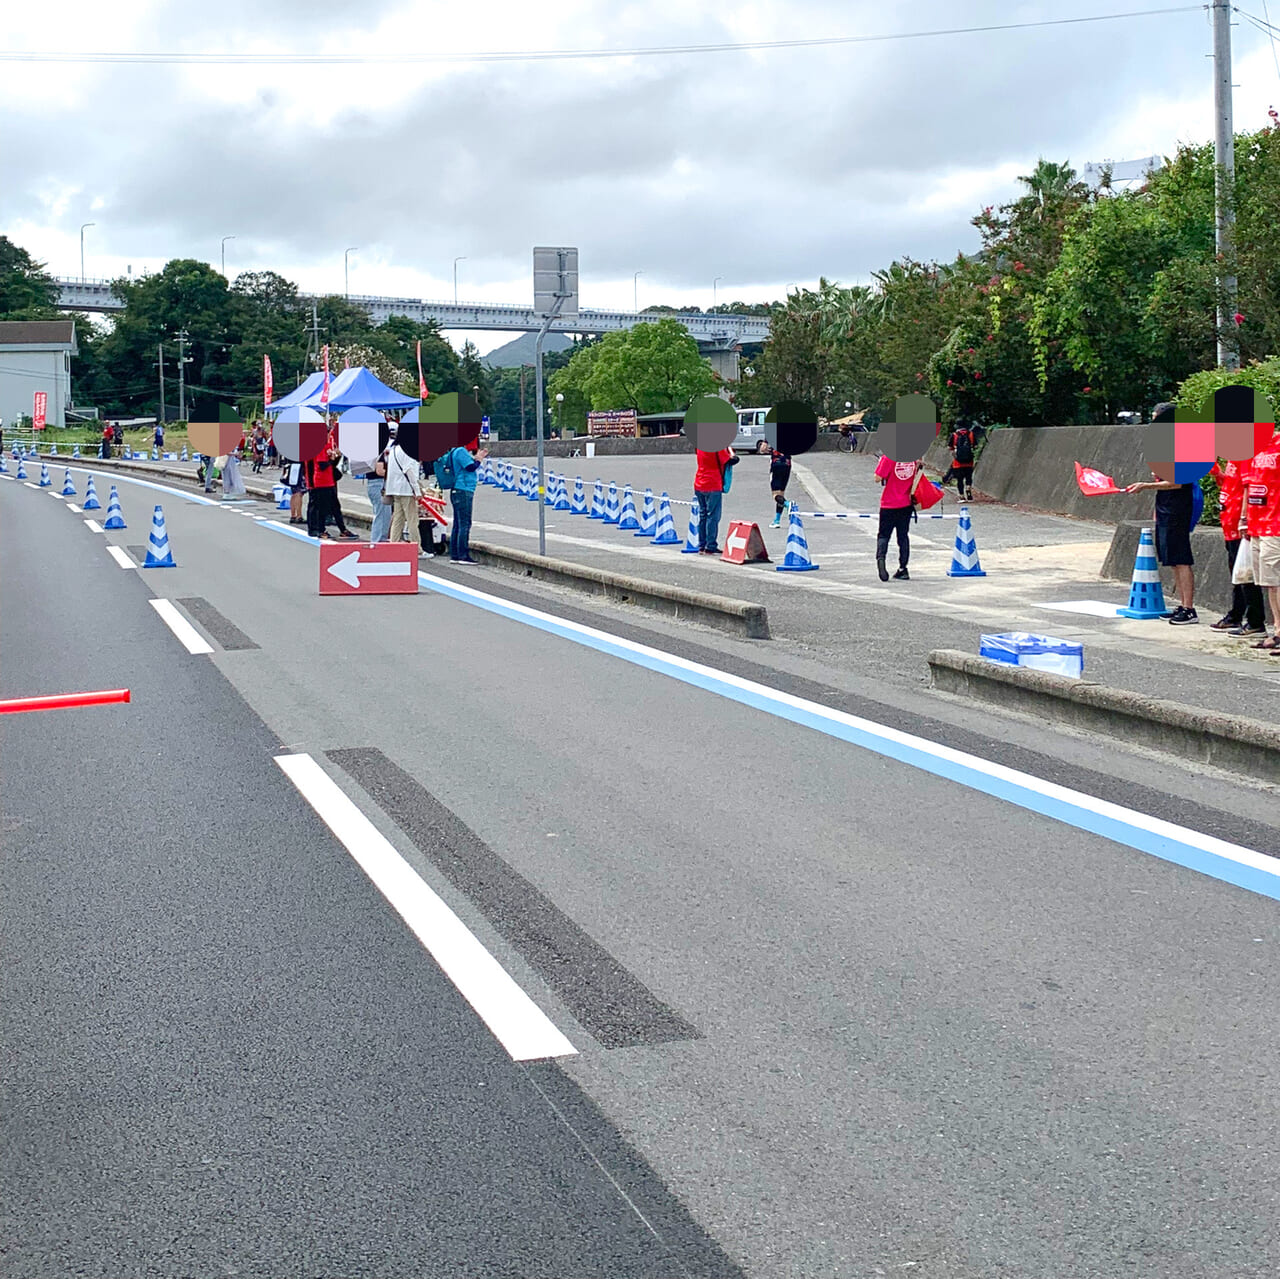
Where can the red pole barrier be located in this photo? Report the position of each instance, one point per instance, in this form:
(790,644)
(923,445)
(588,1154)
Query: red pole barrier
(59,701)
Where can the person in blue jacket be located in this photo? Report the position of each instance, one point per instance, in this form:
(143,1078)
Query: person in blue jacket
(465,463)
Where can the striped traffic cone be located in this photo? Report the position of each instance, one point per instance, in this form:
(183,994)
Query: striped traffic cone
(182,457)
(1146,595)
(532,495)
(691,542)
(579,504)
(22,468)
(91,502)
(666,534)
(597,502)
(510,485)
(648,516)
(158,553)
(45,481)
(4,466)
(964,559)
(155,457)
(75,452)
(68,489)
(611,511)
(53,449)
(523,490)
(115,516)
(627,520)
(796,560)
(549,497)
(562,495)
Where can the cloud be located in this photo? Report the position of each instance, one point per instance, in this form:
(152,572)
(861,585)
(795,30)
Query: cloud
(763,168)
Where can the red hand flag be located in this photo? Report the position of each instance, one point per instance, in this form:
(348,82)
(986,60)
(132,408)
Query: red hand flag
(1094,483)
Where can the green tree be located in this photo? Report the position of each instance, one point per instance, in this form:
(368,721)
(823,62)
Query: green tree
(652,368)
(24,283)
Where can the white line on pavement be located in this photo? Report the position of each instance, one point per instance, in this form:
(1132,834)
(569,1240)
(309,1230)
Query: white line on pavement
(93,526)
(29,484)
(522,1028)
(187,634)
(120,557)
(71,506)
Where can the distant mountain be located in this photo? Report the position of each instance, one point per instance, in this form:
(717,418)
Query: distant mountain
(520,350)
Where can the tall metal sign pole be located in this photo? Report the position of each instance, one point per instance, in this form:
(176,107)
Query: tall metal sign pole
(1224,181)
(555,294)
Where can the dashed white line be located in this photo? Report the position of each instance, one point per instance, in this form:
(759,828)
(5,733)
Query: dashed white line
(523,1029)
(188,636)
(71,506)
(93,526)
(120,557)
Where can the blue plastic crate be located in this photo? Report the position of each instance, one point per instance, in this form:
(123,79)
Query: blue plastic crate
(1038,652)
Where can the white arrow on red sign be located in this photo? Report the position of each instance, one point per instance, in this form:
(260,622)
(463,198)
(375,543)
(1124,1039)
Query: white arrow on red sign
(349,569)
(737,543)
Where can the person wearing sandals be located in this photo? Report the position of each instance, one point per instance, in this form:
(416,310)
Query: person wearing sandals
(1260,529)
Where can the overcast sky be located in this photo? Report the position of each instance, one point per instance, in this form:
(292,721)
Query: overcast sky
(766,168)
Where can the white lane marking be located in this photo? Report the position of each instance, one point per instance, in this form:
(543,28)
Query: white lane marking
(29,484)
(1093,608)
(522,1028)
(93,526)
(187,634)
(120,557)
(71,506)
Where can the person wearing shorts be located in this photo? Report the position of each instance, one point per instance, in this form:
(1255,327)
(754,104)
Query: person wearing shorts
(779,474)
(1260,527)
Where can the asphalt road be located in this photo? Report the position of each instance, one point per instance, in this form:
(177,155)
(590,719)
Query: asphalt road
(834,1008)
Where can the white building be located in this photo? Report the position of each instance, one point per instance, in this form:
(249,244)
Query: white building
(35,355)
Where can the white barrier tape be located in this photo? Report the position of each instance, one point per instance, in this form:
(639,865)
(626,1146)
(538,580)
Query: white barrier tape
(867,515)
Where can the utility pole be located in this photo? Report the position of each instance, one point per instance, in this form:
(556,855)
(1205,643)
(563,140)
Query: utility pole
(313,337)
(183,361)
(1224,155)
(160,366)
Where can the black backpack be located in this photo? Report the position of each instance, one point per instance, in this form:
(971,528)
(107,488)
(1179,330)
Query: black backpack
(964,444)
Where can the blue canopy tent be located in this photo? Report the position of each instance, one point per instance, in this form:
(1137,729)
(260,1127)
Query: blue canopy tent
(350,389)
(298,396)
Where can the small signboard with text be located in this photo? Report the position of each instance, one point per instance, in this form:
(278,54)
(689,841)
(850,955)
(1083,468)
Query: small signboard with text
(39,409)
(614,422)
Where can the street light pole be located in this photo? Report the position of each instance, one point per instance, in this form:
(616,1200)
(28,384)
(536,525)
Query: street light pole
(87,224)
(463,258)
(225,238)
(713,290)
(346,271)
(635,290)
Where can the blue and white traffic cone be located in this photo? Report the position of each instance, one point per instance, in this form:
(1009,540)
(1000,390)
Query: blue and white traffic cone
(510,485)
(158,553)
(562,495)
(523,490)
(182,457)
(612,514)
(964,559)
(666,534)
(91,502)
(579,504)
(75,452)
(115,516)
(597,502)
(549,497)
(648,516)
(532,495)
(4,466)
(155,454)
(53,449)
(68,489)
(45,481)
(627,520)
(22,468)
(1146,595)
(691,542)
(15,454)
(796,560)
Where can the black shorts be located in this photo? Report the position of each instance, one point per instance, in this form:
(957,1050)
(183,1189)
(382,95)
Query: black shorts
(1173,543)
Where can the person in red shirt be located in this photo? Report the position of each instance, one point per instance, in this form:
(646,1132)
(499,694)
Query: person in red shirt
(1246,615)
(708,492)
(1260,527)
(899,480)
(322,494)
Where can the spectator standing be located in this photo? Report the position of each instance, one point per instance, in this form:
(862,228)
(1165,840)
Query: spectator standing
(962,442)
(158,437)
(465,463)
(104,450)
(1173,532)
(294,476)
(404,483)
(899,480)
(1260,525)
(374,486)
(206,472)
(708,492)
(1247,615)
(117,434)
(322,494)
(779,474)
(232,481)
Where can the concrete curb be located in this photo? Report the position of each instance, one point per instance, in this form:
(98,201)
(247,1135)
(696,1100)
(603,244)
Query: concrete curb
(738,617)
(1246,746)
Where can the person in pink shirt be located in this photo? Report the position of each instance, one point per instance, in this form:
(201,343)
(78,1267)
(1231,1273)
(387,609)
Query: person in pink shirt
(899,480)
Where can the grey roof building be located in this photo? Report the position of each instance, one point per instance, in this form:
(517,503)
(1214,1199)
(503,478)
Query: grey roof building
(35,355)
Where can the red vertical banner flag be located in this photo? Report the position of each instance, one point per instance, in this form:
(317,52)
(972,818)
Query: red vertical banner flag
(422,382)
(39,407)
(324,390)
(266,380)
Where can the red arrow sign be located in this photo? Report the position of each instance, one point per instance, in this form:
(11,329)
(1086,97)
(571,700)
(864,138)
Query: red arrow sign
(380,568)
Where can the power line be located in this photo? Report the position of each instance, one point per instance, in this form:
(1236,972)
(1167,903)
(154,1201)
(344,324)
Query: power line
(1268,29)
(560,55)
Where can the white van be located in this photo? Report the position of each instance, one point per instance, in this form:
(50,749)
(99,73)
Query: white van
(750,429)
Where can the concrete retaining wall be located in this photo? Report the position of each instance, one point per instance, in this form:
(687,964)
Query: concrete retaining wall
(827,442)
(1246,746)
